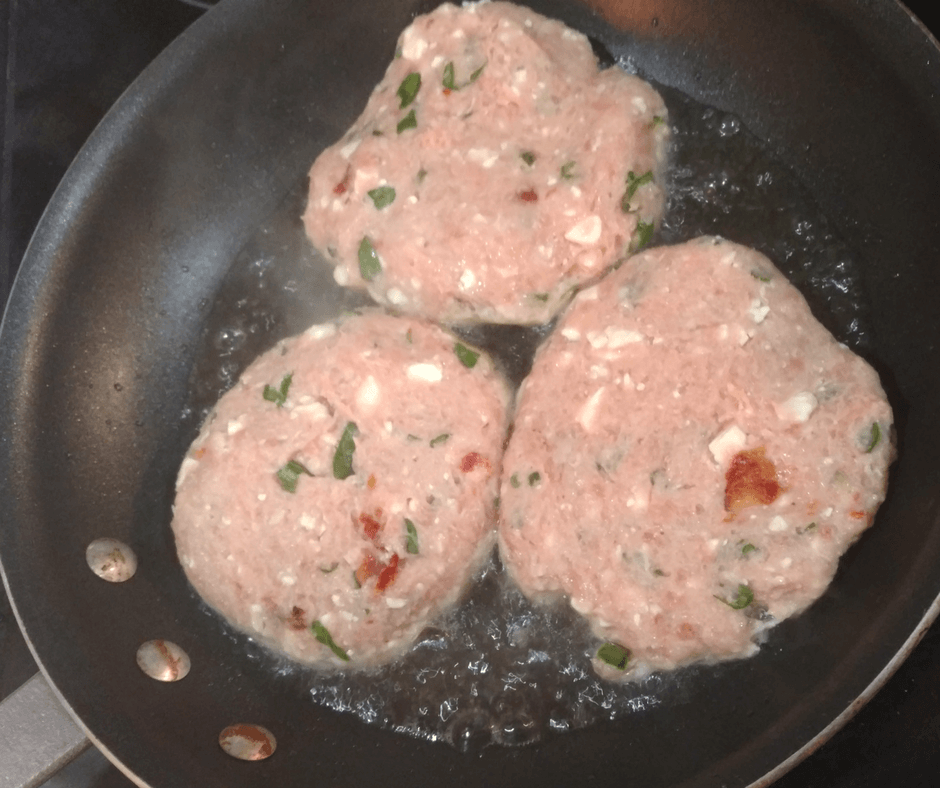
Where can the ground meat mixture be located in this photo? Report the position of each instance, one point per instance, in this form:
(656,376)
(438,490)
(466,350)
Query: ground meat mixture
(493,171)
(342,493)
(691,455)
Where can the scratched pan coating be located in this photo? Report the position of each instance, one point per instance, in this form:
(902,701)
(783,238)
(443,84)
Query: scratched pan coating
(105,323)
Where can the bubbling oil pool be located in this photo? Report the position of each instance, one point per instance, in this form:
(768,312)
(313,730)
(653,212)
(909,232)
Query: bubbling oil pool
(498,669)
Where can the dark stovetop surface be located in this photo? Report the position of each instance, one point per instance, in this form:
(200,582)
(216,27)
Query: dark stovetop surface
(67,62)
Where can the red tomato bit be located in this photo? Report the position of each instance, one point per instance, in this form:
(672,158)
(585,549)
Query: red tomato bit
(528,196)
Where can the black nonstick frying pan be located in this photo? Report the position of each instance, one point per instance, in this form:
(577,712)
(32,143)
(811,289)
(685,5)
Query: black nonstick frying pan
(106,324)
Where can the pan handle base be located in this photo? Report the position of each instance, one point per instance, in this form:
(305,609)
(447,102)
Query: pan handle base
(37,736)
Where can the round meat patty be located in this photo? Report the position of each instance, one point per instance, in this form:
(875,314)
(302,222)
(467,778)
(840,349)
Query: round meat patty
(691,454)
(342,494)
(493,171)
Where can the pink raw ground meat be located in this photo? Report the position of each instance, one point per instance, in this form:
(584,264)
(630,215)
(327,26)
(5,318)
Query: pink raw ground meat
(493,171)
(691,455)
(295,526)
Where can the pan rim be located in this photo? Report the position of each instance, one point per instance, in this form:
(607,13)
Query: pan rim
(28,283)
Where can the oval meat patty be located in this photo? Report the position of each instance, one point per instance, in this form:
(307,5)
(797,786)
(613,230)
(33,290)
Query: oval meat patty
(493,170)
(342,493)
(691,454)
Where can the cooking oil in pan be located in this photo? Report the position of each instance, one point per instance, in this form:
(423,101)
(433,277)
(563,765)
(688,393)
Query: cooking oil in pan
(499,669)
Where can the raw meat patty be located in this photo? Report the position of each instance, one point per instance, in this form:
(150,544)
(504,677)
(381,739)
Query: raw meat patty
(692,453)
(494,170)
(342,493)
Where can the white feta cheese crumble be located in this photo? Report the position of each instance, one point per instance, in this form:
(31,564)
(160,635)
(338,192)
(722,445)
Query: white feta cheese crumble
(235,426)
(396,297)
(580,606)
(258,619)
(365,179)
(727,443)
(778,524)
(188,464)
(349,148)
(758,310)
(321,331)
(315,411)
(395,603)
(613,338)
(620,337)
(341,275)
(467,279)
(588,411)
(588,295)
(483,156)
(798,408)
(429,373)
(571,334)
(368,395)
(412,45)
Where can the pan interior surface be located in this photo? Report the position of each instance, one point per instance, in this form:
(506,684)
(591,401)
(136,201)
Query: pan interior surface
(108,321)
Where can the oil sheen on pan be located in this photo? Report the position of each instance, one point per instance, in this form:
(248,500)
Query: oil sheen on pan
(491,634)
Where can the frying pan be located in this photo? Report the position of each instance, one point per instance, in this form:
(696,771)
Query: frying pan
(106,321)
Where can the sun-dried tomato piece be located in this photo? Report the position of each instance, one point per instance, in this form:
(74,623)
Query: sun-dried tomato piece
(388,574)
(751,480)
(370,524)
(370,567)
(528,196)
(296,619)
(343,185)
(472,460)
